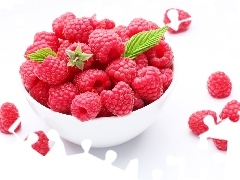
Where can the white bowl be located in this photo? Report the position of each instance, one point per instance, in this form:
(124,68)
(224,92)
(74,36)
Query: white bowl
(104,131)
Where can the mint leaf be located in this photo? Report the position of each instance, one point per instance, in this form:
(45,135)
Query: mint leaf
(143,41)
(41,54)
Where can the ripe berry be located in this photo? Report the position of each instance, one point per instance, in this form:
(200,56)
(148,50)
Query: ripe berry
(196,123)
(219,85)
(61,54)
(137,25)
(119,100)
(122,32)
(86,106)
(220,144)
(106,24)
(166,76)
(138,102)
(141,61)
(231,111)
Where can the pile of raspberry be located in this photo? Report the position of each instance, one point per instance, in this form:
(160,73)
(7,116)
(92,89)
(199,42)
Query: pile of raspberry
(86,75)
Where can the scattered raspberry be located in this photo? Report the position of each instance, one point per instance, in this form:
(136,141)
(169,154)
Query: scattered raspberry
(147,84)
(61,96)
(61,54)
(106,45)
(161,55)
(93,80)
(119,100)
(34,47)
(220,144)
(8,115)
(141,61)
(122,69)
(166,76)
(138,102)
(86,106)
(52,70)
(138,25)
(231,111)
(41,145)
(196,123)
(49,38)
(219,85)
(122,32)
(182,16)
(59,23)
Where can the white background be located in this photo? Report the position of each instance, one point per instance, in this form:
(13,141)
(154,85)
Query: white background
(211,44)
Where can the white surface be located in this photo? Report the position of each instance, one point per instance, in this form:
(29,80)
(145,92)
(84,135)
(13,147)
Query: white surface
(211,44)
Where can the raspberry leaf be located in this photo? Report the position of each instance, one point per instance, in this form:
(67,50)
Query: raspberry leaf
(41,54)
(143,41)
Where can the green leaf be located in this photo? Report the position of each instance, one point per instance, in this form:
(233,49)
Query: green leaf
(143,41)
(41,54)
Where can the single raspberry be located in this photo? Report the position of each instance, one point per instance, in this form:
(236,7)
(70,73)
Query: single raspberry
(106,24)
(61,54)
(148,84)
(78,30)
(138,25)
(122,32)
(86,106)
(42,144)
(182,16)
(49,38)
(138,102)
(122,69)
(40,92)
(119,100)
(26,71)
(196,121)
(34,47)
(61,96)
(141,61)
(59,23)
(161,55)
(219,85)
(220,144)
(8,115)
(231,111)
(52,70)
(93,80)
(106,45)
(166,76)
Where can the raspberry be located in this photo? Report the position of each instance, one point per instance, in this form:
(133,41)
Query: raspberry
(231,110)
(106,45)
(122,69)
(153,25)
(86,106)
(34,47)
(52,70)
(106,24)
(147,84)
(61,96)
(161,55)
(219,85)
(49,38)
(27,74)
(61,54)
(40,92)
(182,16)
(196,123)
(138,102)
(122,32)
(137,25)
(41,145)
(104,112)
(8,115)
(220,144)
(59,23)
(141,61)
(78,30)
(166,76)
(119,100)
(93,80)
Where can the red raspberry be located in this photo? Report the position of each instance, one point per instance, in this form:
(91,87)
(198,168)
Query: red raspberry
(104,112)
(61,54)
(161,55)
(40,92)
(42,145)
(196,123)
(138,25)
(138,102)
(119,100)
(106,45)
(219,85)
(78,30)
(220,144)
(86,106)
(106,24)
(34,47)
(8,115)
(122,32)
(59,23)
(52,70)
(153,25)
(27,74)
(49,38)
(182,16)
(61,96)
(141,61)
(122,69)
(231,111)
(93,80)
(147,84)
(166,76)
